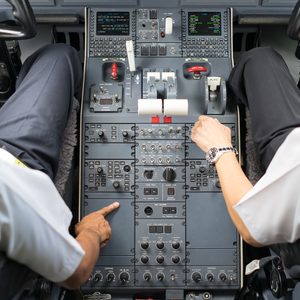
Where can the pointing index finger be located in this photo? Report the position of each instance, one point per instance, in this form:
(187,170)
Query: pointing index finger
(108,209)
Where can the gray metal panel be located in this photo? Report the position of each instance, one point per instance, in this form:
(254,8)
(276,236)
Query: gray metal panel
(42,2)
(279,2)
(159,3)
(99,2)
(117,151)
(208,224)
(122,218)
(224,3)
(211,257)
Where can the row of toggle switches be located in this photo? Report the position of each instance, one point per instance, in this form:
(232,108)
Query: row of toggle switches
(160,131)
(155,148)
(161,161)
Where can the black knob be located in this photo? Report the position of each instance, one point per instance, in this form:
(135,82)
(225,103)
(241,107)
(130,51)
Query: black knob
(126,168)
(116,184)
(147,276)
(175,259)
(196,276)
(144,259)
(124,277)
(160,259)
(148,174)
(210,277)
(100,170)
(110,277)
(202,169)
(125,133)
(223,276)
(169,174)
(160,244)
(148,210)
(101,133)
(97,277)
(145,245)
(175,245)
(160,276)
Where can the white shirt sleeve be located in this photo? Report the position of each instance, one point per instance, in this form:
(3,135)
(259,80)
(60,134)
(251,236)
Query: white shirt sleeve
(271,209)
(34,223)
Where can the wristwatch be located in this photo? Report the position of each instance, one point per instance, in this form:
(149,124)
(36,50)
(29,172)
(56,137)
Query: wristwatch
(214,153)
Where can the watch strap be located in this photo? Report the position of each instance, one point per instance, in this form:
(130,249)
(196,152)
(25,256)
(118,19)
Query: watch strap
(214,153)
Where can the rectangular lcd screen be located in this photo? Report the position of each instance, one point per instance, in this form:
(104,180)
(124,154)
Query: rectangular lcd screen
(112,23)
(106,101)
(204,23)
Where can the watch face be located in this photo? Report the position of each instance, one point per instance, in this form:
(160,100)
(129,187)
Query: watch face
(211,155)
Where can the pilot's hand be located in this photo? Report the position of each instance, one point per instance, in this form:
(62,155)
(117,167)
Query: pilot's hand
(209,132)
(97,223)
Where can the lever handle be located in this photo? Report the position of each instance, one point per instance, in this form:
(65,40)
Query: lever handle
(197,69)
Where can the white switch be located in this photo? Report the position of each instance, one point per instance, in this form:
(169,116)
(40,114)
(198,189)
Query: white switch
(130,55)
(168,25)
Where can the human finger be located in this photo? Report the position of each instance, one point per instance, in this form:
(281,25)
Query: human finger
(108,209)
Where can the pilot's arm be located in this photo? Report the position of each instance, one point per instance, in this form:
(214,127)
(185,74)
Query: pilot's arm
(207,133)
(92,233)
(268,212)
(34,228)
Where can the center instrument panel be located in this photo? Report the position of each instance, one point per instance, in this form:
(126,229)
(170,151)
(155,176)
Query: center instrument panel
(149,74)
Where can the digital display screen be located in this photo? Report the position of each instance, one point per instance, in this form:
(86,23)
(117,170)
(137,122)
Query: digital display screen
(106,101)
(204,23)
(112,23)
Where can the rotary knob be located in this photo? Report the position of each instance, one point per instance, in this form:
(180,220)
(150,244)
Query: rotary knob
(127,168)
(175,245)
(169,174)
(101,133)
(110,277)
(124,277)
(196,276)
(116,184)
(160,259)
(97,277)
(144,259)
(147,276)
(145,245)
(160,245)
(175,259)
(223,277)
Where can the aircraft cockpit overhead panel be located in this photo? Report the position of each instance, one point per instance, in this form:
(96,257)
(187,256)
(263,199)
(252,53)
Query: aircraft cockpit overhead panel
(149,74)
